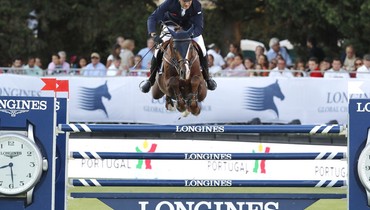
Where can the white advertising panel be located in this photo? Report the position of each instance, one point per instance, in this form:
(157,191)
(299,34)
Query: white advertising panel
(236,100)
(203,169)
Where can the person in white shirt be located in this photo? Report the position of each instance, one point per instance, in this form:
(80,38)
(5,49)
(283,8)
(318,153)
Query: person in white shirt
(281,70)
(114,68)
(213,69)
(364,71)
(218,59)
(336,71)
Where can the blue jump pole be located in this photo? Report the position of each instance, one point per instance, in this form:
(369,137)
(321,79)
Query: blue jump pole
(205,183)
(307,129)
(210,156)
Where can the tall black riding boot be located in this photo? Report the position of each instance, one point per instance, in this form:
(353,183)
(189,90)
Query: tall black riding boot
(211,84)
(155,64)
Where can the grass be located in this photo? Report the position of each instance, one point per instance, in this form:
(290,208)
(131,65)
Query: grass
(94,204)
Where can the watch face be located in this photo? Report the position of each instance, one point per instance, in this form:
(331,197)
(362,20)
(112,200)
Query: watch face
(20,164)
(363,167)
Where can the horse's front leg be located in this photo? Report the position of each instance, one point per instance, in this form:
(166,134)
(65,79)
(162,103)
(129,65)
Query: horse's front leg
(174,86)
(195,85)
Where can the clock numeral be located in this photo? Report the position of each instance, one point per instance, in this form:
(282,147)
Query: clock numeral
(29,153)
(367,168)
(29,175)
(32,164)
(21,146)
(10,143)
(11,186)
(1,146)
(1,183)
(21,183)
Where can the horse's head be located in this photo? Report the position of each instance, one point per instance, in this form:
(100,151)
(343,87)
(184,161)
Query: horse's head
(103,91)
(277,91)
(182,50)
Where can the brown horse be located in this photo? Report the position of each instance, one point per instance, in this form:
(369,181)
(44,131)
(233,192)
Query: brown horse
(181,78)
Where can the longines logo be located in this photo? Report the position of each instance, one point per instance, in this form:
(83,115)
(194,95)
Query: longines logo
(14,107)
(363,107)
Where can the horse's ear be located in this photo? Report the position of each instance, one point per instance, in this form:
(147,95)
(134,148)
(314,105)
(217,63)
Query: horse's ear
(106,81)
(190,31)
(172,32)
(276,81)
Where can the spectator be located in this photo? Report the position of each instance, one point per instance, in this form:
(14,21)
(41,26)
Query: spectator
(138,66)
(31,68)
(73,61)
(147,53)
(276,50)
(249,66)
(281,70)
(325,64)
(258,51)
(272,64)
(114,68)
(313,68)
(116,50)
(348,59)
(82,63)
(38,62)
(214,50)
(54,66)
(257,67)
(65,66)
(229,61)
(263,61)
(95,68)
(127,55)
(336,71)
(213,69)
(119,41)
(358,64)
(300,68)
(17,66)
(364,71)
(313,50)
(234,49)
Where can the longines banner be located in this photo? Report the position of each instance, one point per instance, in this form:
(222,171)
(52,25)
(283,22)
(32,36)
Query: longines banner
(203,169)
(118,99)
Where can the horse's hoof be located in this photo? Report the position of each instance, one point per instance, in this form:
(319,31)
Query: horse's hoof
(185,113)
(170,108)
(195,111)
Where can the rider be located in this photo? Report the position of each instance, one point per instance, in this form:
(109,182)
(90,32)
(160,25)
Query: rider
(184,13)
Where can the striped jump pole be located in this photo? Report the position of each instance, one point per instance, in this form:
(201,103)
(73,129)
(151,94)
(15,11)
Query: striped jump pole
(205,183)
(307,129)
(210,156)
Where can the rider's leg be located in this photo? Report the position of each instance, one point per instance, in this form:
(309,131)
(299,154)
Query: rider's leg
(155,65)
(211,84)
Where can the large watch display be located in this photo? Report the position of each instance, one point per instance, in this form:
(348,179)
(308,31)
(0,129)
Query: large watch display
(21,164)
(363,168)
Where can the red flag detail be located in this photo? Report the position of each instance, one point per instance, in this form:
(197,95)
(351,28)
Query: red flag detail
(50,83)
(62,86)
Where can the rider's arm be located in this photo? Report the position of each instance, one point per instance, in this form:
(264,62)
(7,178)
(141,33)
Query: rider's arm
(156,16)
(197,19)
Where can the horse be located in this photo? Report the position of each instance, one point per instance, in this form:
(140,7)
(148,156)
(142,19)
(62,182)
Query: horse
(181,78)
(262,98)
(91,98)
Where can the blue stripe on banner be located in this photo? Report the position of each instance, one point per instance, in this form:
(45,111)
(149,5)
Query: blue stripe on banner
(214,183)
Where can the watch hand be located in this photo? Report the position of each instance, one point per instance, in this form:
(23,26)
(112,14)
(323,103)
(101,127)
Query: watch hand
(11,172)
(4,166)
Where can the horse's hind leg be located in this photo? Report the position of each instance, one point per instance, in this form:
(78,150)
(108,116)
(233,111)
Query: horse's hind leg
(194,105)
(174,86)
